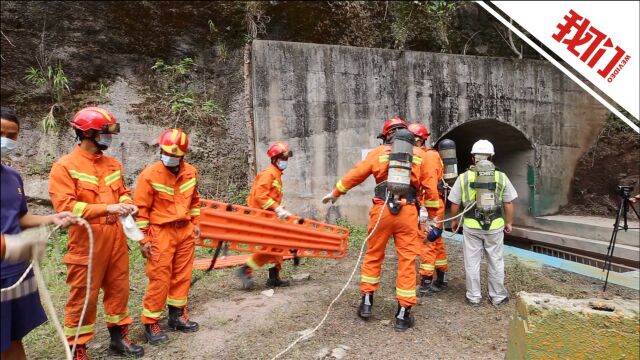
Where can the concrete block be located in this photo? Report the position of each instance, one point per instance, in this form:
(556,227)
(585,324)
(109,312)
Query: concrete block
(552,327)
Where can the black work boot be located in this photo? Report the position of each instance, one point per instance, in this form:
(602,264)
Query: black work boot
(81,352)
(426,286)
(404,319)
(244,273)
(154,335)
(121,344)
(366,305)
(178,320)
(274,279)
(441,280)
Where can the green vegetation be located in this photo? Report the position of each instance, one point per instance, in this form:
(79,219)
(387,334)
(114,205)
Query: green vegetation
(180,96)
(55,82)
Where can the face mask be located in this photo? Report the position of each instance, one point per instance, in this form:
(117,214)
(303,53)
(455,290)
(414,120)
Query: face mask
(104,140)
(7,146)
(282,164)
(170,161)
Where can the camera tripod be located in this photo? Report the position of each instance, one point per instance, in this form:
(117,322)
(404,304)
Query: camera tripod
(623,209)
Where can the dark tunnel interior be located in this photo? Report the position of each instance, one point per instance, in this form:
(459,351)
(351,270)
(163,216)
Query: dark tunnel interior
(513,153)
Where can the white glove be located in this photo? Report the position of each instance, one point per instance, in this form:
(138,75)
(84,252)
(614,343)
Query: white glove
(282,213)
(430,224)
(28,244)
(329,197)
(424,215)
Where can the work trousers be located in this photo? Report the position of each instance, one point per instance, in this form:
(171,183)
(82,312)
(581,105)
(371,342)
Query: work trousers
(110,272)
(491,241)
(403,227)
(257,261)
(168,269)
(433,255)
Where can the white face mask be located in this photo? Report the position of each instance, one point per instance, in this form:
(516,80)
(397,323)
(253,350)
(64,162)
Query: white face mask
(7,146)
(170,161)
(282,164)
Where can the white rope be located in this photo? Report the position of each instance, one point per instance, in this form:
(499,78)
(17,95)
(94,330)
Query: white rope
(355,268)
(46,297)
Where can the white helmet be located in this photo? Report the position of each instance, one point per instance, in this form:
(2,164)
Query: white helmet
(482,147)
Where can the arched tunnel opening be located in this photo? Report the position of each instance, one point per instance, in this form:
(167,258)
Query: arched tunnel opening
(514,155)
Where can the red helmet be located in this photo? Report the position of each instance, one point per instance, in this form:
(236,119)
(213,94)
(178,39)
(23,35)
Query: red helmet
(419,130)
(95,118)
(393,123)
(279,148)
(174,142)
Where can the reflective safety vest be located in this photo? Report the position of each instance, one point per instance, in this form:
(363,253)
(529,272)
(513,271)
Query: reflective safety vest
(468,194)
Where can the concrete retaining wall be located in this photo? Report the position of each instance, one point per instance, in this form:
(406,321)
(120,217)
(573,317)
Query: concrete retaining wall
(329,103)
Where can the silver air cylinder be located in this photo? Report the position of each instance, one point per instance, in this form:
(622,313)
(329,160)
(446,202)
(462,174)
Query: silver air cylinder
(447,150)
(400,160)
(486,201)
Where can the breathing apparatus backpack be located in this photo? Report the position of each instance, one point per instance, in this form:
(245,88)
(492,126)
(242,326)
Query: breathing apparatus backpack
(487,207)
(447,150)
(398,181)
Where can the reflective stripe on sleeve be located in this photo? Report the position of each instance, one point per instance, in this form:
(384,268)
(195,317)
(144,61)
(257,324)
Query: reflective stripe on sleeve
(78,208)
(268,204)
(343,189)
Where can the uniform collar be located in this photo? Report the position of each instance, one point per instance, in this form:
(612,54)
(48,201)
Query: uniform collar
(276,168)
(87,155)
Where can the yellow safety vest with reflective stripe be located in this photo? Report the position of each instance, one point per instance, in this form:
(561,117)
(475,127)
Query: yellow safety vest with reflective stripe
(468,195)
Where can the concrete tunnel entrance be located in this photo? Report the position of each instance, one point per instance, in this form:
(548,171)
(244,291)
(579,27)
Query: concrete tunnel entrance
(514,156)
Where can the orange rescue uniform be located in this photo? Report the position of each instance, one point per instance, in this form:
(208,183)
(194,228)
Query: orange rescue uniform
(169,208)
(266,193)
(433,255)
(85,184)
(403,226)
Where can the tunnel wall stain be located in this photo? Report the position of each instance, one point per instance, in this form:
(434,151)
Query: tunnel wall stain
(329,102)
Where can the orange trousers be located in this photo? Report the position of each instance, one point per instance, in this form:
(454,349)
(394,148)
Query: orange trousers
(168,269)
(110,272)
(403,227)
(433,255)
(257,261)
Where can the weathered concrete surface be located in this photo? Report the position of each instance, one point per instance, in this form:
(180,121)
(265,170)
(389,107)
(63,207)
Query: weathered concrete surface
(551,327)
(329,103)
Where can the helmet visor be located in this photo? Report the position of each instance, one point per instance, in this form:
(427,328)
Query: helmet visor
(110,128)
(287,154)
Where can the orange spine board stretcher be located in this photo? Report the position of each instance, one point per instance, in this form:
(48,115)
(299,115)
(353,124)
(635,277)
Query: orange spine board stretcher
(260,231)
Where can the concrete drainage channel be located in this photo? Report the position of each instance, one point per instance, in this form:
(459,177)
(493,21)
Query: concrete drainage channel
(629,277)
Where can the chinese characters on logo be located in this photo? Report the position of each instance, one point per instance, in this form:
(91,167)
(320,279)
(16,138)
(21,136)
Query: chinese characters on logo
(593,44)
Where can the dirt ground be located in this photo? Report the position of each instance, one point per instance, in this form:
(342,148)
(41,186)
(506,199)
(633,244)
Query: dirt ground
(236,324)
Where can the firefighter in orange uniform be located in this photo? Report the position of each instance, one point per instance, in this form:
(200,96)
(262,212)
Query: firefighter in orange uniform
(90,184)
(433,255)
(169,208)
(403,225)
(266,193)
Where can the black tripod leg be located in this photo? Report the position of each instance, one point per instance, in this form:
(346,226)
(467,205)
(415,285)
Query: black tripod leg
(616,226)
